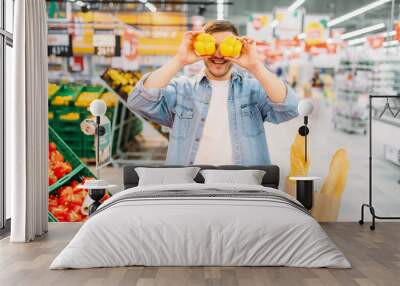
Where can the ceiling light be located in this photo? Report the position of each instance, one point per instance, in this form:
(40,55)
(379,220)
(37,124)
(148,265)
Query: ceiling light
(388,34)
(357,12)
(391,43)
(357,41)
(150,6)
(220,10)
(362,31)
(364,39)
(296,4)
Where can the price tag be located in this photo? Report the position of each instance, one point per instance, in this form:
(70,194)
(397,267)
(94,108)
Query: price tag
(106,43)
(59,43)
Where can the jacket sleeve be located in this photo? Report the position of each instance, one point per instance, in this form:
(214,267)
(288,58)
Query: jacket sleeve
(156,104)
(277,112)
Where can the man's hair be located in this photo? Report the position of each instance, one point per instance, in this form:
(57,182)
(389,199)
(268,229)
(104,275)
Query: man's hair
(220,26)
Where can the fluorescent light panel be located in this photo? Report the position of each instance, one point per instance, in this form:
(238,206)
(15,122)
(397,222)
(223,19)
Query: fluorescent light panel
(357,12)
(220,10)
(296,4)
(362,40)
(391,43)
(362,31)
(357,41)
(150,6)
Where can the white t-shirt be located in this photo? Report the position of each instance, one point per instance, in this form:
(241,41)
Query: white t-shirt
(215,144)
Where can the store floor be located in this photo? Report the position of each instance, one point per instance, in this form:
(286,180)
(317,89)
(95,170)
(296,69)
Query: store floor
(324,141)
(374,257)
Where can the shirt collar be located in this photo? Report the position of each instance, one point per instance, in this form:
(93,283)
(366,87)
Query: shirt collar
(236,75)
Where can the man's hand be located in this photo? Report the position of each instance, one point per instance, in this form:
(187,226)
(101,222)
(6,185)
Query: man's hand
(248,58)
(186,54)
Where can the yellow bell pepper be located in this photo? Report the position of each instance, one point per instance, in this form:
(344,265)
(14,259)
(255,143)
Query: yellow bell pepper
(230,47)
(86,98)
(72,116)
(204,45)
(52,88)
(110,99)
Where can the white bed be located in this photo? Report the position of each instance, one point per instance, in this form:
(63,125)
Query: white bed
(240,229)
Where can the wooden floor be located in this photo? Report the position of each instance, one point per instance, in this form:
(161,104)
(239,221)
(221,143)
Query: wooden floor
(375,257)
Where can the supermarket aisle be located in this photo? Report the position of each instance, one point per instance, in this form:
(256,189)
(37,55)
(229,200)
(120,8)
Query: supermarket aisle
(324,141)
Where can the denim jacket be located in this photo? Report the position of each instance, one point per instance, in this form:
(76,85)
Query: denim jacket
(183,105)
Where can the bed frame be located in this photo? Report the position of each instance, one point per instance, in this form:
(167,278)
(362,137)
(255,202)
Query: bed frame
(270,179)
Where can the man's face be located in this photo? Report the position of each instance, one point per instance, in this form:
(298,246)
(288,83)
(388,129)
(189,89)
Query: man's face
(216,65)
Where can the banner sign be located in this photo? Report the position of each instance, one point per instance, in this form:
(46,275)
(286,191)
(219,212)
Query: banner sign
(258,27)
(105,143)
(289,24)
(315,29)
(376,41)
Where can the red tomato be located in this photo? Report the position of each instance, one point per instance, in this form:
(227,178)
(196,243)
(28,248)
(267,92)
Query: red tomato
(67,168)
(60,212)
(52,147)
(57,156)
(74,216)
(59,172)
(74,183)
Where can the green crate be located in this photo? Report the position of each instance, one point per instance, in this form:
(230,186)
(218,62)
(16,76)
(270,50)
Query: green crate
(50,98)
(72,90)
(69,156)
(94,88)
(98,90)
(50,217)
(89,154)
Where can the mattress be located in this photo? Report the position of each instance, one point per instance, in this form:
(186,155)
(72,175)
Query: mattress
(201,225)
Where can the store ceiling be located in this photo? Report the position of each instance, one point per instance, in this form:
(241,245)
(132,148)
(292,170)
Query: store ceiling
(241,9)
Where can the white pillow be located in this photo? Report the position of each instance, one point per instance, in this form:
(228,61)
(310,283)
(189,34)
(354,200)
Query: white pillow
(248,177)
(166,176)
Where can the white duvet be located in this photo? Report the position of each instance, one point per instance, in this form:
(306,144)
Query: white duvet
(200,231)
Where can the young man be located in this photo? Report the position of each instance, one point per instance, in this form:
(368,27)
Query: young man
(216,117)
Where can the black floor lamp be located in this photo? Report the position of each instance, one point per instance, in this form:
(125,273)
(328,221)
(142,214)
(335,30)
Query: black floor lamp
(97,188)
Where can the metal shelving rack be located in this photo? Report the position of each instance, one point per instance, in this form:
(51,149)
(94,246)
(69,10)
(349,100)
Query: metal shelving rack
(370,201)
(122,157)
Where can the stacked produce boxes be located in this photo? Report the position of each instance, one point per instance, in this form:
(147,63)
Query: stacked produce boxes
(68,107)
(65,172)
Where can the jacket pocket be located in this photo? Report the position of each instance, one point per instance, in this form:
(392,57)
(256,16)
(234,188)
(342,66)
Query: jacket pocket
(182,122)
(252,122)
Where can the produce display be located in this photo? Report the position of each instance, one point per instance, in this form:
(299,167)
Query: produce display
(66,94)
(230,47)
(52,89)
(85,98)
(204,44)
(62,100)
(66,203)
(121,81)
(110,99)
(72,116)
(58,168)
